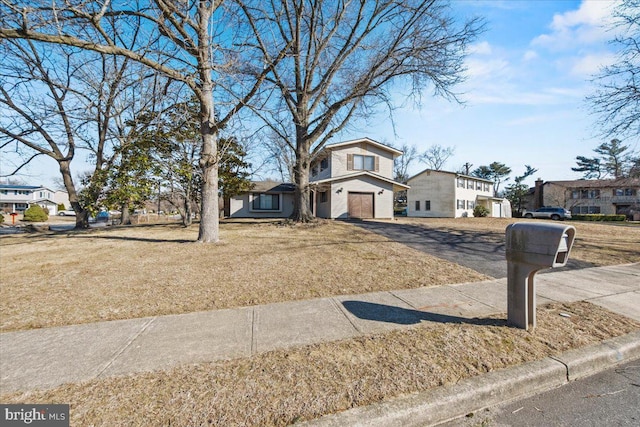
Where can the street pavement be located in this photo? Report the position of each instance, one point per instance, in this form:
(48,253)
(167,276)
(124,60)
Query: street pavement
(609,398)
(45,358)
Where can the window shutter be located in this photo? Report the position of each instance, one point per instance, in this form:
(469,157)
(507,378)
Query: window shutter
(377,164)
(349,162)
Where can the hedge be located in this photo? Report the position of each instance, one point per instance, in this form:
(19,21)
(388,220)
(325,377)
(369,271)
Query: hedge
(35,214)
(598,217)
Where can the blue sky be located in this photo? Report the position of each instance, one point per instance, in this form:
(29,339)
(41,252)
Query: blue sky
(528,76)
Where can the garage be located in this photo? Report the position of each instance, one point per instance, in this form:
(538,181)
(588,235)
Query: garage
(360,205)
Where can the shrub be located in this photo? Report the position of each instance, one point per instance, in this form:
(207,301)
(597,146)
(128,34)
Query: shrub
(1,218)
(598,217)
(61,207)
(480,211)
(35,214)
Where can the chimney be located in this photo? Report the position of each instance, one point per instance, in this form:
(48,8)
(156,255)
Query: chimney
(538,194)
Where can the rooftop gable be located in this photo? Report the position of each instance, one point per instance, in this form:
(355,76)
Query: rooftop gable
(365,140)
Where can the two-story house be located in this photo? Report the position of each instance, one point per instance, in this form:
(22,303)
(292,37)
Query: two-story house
(350,179)
(442,194)
(591,196)
(17,198)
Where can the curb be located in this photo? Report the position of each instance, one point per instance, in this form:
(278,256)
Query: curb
(473,394)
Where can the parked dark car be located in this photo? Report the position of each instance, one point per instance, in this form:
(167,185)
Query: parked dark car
(549,212)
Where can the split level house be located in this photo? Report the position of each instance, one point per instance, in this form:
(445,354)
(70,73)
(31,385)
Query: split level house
(442,194)
(17,198)
(590,196)
(350,179)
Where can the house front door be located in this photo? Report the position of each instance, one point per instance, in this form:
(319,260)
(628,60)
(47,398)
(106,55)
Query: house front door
(360,205)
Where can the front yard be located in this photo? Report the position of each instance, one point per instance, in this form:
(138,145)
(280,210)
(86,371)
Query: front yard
(51,279)
(54,279)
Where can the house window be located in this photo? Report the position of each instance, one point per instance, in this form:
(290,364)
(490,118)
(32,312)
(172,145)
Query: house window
(324,164)
(460,204)
(625,192)
(470,184)
(367,163)
(266,202)
(585,210)
(575,194)
(5,192)
(417,205)
(590,194)
(485,186)
(471,204)
(323,197)
(460,183)
(314,171)
(479,186)
(427,205)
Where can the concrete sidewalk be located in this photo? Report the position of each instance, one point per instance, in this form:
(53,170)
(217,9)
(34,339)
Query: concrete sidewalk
(45,358)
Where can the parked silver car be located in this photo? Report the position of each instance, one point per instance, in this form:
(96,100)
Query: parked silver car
(549,212)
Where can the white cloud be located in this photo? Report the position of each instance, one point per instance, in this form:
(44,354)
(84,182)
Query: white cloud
(482,48)
(590,65)
(584,26)
(530,55)
(492,68)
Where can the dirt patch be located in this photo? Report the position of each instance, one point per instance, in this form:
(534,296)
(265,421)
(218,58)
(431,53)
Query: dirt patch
(284,386)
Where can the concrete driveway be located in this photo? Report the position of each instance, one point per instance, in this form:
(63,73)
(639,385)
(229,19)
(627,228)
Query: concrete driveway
(483,252)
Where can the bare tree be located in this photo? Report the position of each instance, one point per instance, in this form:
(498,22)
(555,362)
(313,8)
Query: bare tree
(196,43)
(436,156)
(342,59)
(402,163)
(617,100)
(281,156)
(60,100)
(38,125)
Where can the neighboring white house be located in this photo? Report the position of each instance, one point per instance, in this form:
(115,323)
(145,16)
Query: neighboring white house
(17,198)
(351,179)
(441,194)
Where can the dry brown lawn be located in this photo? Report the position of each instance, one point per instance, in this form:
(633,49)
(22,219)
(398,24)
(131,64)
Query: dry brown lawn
(54,279)
(284,386)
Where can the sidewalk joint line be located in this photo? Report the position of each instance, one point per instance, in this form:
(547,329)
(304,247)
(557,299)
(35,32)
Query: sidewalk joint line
(404,301)
(341,309)
(472,297)
(254,338)
(126,346)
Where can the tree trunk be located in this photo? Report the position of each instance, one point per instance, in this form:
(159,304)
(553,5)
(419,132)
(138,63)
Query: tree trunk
(82,217)
(209,221)
(302,206)
(187,217)
(125,218)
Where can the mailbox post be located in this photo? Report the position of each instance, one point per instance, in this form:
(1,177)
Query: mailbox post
(532,247)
